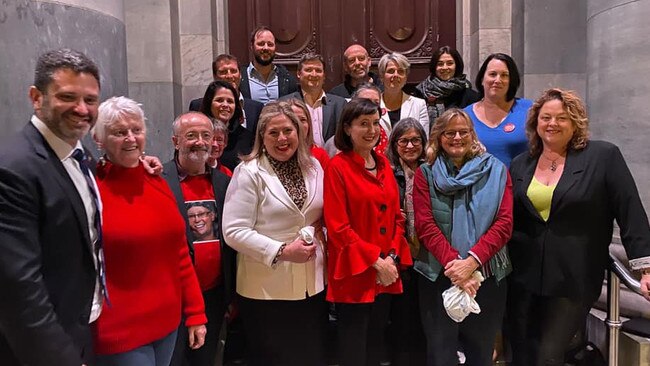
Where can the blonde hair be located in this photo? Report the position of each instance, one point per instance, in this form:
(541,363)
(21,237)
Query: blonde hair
(573,106)
(433,147)
(270,111)
(400,60)
(300,104)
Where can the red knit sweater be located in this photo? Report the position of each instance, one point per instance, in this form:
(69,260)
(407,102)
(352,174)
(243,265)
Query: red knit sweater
(149,273)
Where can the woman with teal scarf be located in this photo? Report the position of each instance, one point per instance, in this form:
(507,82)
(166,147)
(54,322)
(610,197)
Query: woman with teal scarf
(462,198)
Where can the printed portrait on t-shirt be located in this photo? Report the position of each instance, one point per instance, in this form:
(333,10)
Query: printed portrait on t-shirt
(202,217)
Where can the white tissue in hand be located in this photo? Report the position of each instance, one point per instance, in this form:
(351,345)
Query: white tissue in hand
(459,303)
(307,234)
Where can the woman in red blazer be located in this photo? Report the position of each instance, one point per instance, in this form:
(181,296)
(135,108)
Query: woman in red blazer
(366,244)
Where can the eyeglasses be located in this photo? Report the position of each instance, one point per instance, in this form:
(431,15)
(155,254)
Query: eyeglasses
(198,216)
(452,134)
(404,142)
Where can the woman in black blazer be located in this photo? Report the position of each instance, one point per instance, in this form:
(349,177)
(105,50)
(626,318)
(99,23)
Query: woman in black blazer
(567,192)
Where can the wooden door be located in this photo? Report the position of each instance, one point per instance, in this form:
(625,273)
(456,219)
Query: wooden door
(415,28)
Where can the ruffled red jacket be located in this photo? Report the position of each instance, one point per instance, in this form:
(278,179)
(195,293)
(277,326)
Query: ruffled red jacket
(363,220)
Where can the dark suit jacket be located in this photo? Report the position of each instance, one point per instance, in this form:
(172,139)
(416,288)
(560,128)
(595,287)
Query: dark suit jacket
(220,183)
(47,276)
(332,109)
(287,83)
(566,256)
(345,89)
(252,110)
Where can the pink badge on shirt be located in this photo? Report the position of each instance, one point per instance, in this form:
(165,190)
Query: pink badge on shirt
(509,127)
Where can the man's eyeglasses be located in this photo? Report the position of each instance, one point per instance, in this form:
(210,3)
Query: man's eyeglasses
(199,216)
(404,142)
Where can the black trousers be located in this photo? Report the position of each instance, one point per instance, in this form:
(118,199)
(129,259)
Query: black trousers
(215,309)
(285,332)
(542,327)
(475,335)
(361,330)
(405,330)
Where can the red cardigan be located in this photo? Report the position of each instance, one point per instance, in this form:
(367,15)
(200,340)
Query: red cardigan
(363,220)
(149,273)
(432,238)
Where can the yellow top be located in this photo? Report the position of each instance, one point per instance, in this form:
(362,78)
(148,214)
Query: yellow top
(540,196)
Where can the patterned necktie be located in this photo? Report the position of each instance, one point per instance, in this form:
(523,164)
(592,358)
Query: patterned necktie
(80,157)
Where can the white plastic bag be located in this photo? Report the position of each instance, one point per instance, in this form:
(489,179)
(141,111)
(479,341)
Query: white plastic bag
(307,234)
(459,303)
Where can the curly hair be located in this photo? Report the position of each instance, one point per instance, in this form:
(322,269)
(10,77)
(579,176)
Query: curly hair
(434,146)
(573,106)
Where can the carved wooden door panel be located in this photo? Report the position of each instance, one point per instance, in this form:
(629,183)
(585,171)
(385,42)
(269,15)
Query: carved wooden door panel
(415,28)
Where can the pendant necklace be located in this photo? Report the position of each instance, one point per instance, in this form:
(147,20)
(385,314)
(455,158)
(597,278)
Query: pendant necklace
(553,163)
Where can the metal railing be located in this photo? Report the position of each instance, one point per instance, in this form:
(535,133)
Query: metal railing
(616,274)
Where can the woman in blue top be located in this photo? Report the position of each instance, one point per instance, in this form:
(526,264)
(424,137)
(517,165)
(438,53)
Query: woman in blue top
(499,118)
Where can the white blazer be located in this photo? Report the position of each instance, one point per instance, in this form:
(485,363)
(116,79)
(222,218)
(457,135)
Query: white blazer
(411,107)
(258,217)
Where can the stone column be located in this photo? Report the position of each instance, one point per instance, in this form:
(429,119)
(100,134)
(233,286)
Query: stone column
(554,44)
(153,79)
(618,81)
(487,28)
(171,45)
(203,34)
(29,28)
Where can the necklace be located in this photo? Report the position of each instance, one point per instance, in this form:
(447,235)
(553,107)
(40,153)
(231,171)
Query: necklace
(553,162)
(372,168)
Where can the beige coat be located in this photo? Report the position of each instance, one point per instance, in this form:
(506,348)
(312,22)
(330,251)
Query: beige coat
(258,217)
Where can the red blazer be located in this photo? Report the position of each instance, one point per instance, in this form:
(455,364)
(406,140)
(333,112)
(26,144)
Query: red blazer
(363,220)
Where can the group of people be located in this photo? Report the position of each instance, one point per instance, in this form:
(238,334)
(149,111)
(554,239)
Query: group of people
(289,205)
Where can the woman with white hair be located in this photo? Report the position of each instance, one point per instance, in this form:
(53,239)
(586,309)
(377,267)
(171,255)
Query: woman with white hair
(393,70)
(150,278)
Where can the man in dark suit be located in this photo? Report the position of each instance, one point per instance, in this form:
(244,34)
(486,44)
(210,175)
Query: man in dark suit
(325,109)
(194,185)
(261,79)
(225,67)
(48,224)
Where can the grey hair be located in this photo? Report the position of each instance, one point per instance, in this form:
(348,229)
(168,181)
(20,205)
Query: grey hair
(113,110)
(63,58)
(366,86)
(400,60)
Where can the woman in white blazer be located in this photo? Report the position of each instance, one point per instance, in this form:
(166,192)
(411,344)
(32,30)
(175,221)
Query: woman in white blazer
(395,104)
(272,218)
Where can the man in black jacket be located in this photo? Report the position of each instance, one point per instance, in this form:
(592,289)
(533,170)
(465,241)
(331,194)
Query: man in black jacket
(356,64)
(261,79)
(49,221)
(226,68)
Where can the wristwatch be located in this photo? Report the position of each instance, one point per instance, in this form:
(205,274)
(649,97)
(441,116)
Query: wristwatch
(394,256)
